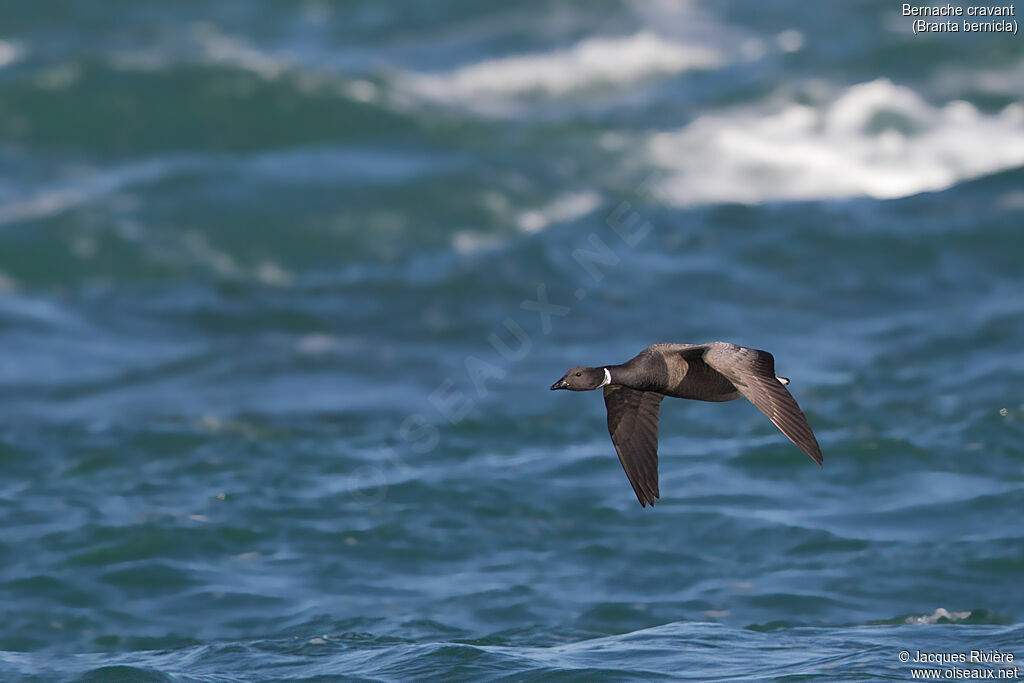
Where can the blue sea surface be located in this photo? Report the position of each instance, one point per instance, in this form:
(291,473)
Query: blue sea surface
(283,287)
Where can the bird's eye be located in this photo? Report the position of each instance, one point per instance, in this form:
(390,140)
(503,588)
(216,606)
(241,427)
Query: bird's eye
(579,374)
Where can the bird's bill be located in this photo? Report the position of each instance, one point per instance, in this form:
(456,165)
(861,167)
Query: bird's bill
(560,384)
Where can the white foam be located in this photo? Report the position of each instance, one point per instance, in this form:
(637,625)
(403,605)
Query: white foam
(90,187)
(220,48)
(9,53)
(790,40)
(317,343)
(8,284)
(591,62)
(939,614)
(874,139)
(566,208)
(473,241)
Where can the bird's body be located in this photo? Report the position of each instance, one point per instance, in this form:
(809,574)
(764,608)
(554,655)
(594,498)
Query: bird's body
(665,369)
(716,371)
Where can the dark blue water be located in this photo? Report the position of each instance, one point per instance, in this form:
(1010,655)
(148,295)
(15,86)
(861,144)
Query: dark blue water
(273,378)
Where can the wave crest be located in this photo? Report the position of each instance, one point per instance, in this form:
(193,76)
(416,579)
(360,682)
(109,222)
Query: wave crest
(875,139)
(589,63)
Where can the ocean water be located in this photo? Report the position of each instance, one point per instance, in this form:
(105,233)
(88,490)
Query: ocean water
(283,287)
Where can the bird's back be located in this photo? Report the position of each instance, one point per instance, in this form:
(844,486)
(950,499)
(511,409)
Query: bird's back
(688,376)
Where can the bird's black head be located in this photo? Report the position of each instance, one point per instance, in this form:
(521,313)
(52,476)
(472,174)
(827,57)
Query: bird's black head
(581,379)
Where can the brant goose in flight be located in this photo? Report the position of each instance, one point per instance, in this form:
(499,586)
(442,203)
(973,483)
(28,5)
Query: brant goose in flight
(716,371)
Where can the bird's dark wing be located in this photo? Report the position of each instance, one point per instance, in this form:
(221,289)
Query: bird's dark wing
(633,425)
(753,373)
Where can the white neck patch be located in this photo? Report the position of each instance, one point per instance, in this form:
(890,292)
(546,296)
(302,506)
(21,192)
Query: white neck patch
(607,378)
